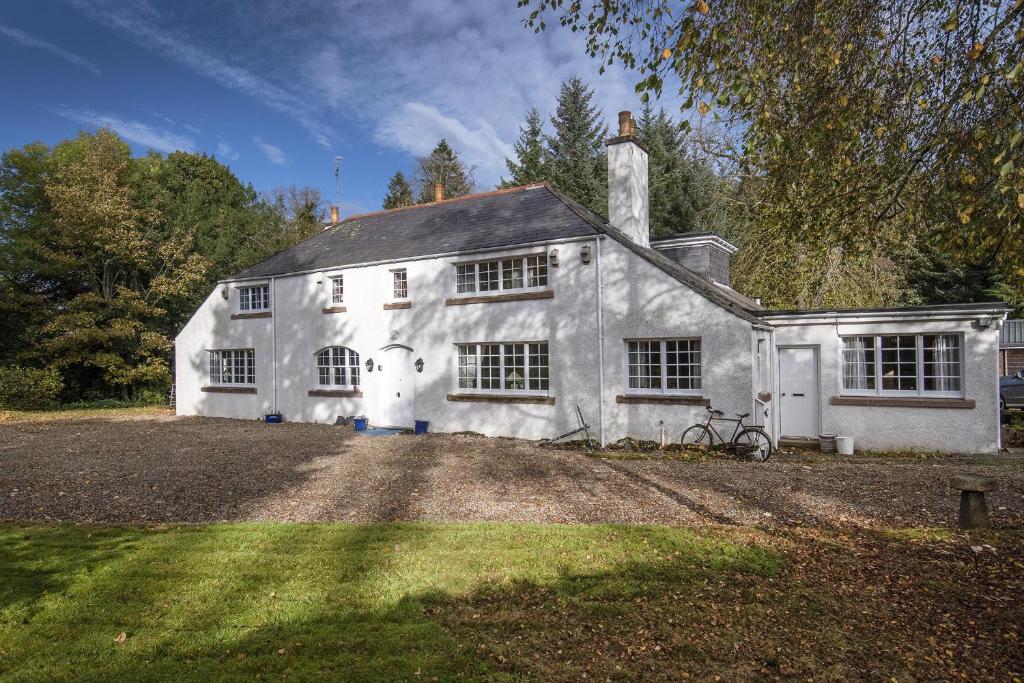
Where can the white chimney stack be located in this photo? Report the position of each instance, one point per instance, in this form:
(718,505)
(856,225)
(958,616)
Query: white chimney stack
(628,203)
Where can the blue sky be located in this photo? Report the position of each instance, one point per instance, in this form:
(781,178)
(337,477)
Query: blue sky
(276,88)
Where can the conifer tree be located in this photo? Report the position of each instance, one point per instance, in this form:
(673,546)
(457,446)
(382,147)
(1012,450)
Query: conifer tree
(444,166)
(530,165)
(577,164)
(399,192)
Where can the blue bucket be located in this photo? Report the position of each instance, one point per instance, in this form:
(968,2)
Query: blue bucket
(273,418)
(360,423)
(421,426)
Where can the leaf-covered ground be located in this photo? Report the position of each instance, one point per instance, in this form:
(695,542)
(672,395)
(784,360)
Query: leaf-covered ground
(506,602)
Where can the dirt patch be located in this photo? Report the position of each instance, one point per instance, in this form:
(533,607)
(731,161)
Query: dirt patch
(136,467)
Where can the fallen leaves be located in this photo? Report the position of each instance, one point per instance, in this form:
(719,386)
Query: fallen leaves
(121,637)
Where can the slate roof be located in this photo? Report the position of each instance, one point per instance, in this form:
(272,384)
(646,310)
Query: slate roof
(491,220)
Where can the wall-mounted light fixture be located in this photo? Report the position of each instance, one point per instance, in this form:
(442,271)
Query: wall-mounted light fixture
(319,278)
(224,292)
(554,257)
(585,254)
(369,365)
(418,365)
(984,322)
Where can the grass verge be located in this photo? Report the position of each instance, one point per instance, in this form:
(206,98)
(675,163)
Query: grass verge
(503,602)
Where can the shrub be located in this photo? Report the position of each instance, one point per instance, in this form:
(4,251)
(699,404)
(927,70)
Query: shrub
(29,388)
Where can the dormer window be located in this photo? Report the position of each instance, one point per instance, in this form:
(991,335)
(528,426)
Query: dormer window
(516,274)
(254,298)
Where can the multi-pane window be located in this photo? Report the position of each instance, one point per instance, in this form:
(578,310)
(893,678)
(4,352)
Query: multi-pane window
(507,367)
(905,363)
(337,366)
(338,289)
(254,298)
(663,365)
(232,366)
(400,280)
(520,272)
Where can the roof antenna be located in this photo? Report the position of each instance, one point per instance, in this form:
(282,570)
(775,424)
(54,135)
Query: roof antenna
(337,180)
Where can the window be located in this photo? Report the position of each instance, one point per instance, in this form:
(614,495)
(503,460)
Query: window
(232,366)
(337,289)
(338,366)
(663,365)
(401,284)
(517,367)
(919,364)
(521,272)
(255,298)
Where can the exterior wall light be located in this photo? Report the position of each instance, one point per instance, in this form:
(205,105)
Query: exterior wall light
(554,257)
(585,254)
(224,292)
(369,365)
(418,365)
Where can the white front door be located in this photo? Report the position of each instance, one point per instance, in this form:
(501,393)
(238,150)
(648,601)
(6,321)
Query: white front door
(798,386)
(396,386)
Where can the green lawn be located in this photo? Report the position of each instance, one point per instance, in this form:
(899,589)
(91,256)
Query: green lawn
(499,602)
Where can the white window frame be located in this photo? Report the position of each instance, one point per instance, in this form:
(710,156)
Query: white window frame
(394,282)
(664,390)
(249,367)
(528,368)
(919,363)
(244,295)
(502,263)
(353,370)
(337,282)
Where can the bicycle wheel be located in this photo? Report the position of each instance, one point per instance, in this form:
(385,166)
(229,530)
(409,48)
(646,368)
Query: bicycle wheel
(754,443)
(697,437)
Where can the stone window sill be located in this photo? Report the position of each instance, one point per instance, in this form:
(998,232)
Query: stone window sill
(337,393)
(246,316)
(214,389)
(501,398)
(902,402)
(663,400)
(333,309)
(397,305)
(496,298)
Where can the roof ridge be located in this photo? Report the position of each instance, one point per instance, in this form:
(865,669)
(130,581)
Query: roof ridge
(504,190)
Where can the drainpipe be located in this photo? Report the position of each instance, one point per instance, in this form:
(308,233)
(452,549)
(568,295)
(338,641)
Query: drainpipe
(273,343)
(600,345)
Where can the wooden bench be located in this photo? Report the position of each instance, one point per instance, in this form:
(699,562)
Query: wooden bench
(973,510)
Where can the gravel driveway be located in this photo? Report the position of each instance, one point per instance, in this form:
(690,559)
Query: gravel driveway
(159,468)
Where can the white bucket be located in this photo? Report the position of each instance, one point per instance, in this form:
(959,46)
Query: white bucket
(844,444)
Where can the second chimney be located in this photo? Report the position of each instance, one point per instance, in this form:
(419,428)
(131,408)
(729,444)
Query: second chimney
(334,213)
(438,192)
(628,208)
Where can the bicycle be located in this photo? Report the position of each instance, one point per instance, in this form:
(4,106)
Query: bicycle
(748,441)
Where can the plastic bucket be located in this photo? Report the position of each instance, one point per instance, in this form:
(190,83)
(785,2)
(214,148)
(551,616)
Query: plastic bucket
(360,423)
(421,426)
(844,444)
(273,418)
(827,443)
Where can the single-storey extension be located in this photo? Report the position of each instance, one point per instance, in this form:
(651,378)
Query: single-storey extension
(502,312)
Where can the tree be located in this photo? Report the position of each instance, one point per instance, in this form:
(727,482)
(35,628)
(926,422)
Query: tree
(443,166)
(531,161)
(399,192)
(103,256)
(866,127)
(577,159)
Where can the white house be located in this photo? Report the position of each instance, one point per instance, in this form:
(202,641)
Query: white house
(502,312)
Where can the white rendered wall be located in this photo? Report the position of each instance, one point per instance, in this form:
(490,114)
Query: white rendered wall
(640,300)
(954,430)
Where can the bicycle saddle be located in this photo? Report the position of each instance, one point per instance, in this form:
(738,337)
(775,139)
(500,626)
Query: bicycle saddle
(743,415)
(716,411)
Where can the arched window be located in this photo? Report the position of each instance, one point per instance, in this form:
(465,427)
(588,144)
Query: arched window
(338,366)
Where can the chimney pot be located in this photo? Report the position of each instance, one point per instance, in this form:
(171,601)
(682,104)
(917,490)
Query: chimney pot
(626,124)
(334,213)
(438,192)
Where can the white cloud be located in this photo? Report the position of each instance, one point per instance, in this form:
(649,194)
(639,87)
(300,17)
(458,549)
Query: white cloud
(273,153)
(226,152)
(134,131)
(29,40)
